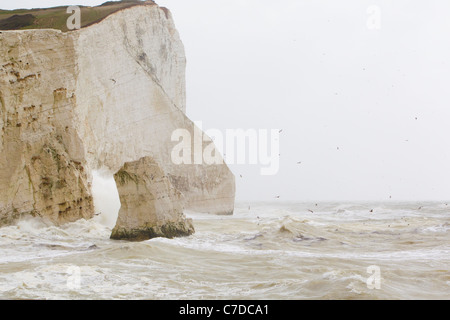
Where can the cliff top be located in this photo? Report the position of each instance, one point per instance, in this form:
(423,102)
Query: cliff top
(56,17)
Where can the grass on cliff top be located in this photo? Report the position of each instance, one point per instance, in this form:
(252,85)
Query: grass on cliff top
(56,18)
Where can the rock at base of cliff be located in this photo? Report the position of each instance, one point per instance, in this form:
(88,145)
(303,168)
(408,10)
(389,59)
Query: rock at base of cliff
(150,206)
(170,230)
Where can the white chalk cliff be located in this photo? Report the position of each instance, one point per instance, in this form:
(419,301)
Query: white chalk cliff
(91,99)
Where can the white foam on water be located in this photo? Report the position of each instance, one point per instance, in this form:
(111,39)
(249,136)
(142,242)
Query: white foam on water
(241,256)
(441,228)
(34,238)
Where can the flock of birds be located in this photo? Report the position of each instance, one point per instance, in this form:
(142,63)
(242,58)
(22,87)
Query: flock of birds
(371,211)
(337,148)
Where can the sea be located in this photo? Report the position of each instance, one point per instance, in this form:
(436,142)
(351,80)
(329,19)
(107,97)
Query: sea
(266,250)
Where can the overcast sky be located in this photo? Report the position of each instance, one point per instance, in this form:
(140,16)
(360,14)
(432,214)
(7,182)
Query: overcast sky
(345,92)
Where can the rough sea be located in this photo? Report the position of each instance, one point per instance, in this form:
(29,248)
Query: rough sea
(264,251)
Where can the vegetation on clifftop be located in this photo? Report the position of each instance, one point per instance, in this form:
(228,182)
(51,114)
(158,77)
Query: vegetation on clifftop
(56,18)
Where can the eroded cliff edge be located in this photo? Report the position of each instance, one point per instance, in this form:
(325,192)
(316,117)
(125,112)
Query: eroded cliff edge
(94,99)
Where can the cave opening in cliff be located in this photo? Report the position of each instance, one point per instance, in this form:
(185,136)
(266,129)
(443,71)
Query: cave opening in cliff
(106,198)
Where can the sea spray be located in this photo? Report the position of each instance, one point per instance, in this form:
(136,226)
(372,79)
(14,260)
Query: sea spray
(106,198)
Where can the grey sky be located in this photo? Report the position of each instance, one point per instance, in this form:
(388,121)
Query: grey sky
(315,70)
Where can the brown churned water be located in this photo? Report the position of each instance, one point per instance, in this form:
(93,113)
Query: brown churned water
(264,251)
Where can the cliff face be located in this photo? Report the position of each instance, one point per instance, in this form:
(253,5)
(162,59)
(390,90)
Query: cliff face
(42,164)
(93,99)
